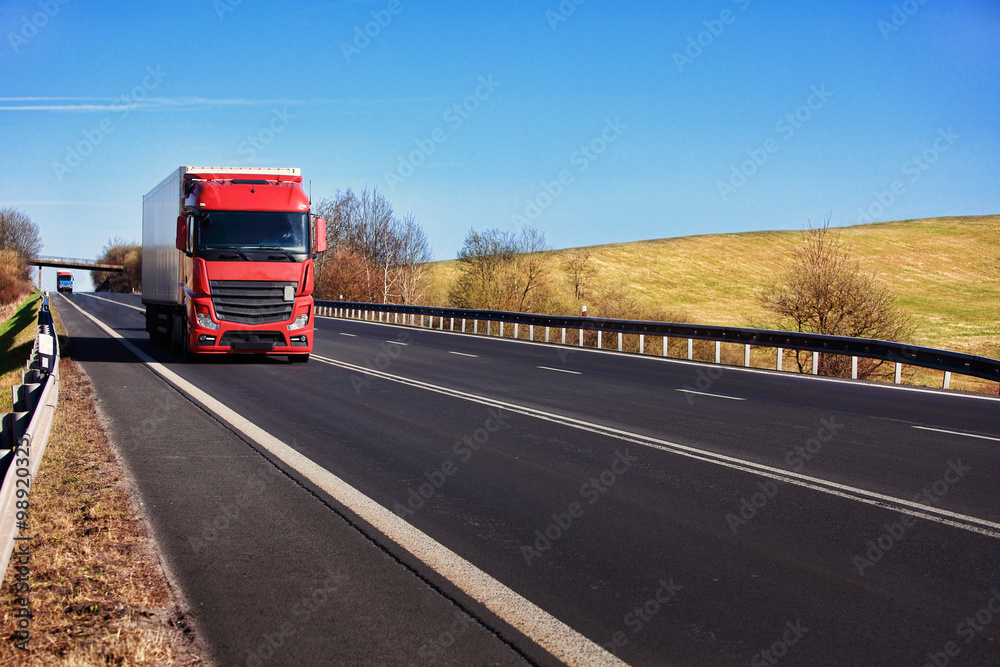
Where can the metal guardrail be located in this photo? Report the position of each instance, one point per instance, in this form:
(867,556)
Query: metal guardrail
(26,430)
(899,353)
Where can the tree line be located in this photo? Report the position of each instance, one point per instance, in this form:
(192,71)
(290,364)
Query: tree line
(20,242)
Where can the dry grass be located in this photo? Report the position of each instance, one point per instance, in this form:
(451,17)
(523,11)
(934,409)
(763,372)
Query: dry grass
(17,337)
(98,594)
(945,272)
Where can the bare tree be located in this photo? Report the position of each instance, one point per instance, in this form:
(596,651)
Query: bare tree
(414,255)
(364,227)
(827,291)
(129,255)
(579,271)
(501,270)
(19,233)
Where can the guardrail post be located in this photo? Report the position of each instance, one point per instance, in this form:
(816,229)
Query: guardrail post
(690,348)
(546,334)
(564,335)
(531,332)
(718,352)
(642,343)
(854,368)
(581,337)
(600,340)
(746,355)
(475,326)
(517,329)
(780,366)
(619,341)
(815,363)
(899,372)
(501,328)
(463,325)
(665,345)
(947,380)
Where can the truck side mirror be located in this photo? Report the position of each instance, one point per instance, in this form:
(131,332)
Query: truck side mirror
(320,238)
(181,241)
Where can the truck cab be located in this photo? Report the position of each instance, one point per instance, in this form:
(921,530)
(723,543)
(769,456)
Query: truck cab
(241,264)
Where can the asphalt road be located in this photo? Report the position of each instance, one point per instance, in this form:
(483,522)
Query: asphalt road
(671,512)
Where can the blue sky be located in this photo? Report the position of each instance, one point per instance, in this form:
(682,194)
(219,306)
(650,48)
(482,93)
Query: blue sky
(596,121)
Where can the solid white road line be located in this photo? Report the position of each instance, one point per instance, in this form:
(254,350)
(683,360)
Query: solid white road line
(562,641)
(702,393)
(560,370)
(967,435)
(936,514)
(117,303)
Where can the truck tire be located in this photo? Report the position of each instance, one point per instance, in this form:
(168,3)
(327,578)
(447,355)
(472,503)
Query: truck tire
(177,338)
(298,358)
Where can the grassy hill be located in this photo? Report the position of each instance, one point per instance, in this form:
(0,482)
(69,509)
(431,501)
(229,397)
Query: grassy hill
(945,272)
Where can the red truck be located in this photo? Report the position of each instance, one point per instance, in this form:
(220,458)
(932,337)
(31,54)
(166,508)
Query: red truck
(227,261)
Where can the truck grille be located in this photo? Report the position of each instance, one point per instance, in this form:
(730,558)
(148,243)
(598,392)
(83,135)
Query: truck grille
(251,301)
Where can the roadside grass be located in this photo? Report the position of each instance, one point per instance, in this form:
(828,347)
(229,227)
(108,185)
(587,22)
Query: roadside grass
(945,273)
(98,594)
(17,337)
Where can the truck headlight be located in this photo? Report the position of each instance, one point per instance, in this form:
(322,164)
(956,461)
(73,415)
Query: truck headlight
(299,322)
(205,321)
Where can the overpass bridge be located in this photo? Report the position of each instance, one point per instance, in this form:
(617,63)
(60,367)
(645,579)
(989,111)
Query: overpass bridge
(71,263)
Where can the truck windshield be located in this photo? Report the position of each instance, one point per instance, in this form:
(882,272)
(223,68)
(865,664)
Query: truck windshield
(253,230)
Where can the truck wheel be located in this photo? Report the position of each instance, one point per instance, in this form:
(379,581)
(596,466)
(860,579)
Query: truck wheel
(298,358)
(177,341)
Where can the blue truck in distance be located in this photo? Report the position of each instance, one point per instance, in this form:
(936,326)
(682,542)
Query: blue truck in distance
(64,282)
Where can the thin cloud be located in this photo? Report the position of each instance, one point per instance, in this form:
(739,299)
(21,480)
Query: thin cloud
(91,104)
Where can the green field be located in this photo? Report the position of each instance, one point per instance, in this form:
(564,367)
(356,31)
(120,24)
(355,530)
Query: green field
(944,271)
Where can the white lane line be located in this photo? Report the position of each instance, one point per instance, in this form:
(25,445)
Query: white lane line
(347,334)
(117,303)
(967,435)
(464,354)
(936,514)
(702,393)
(560,370)
(562,641)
